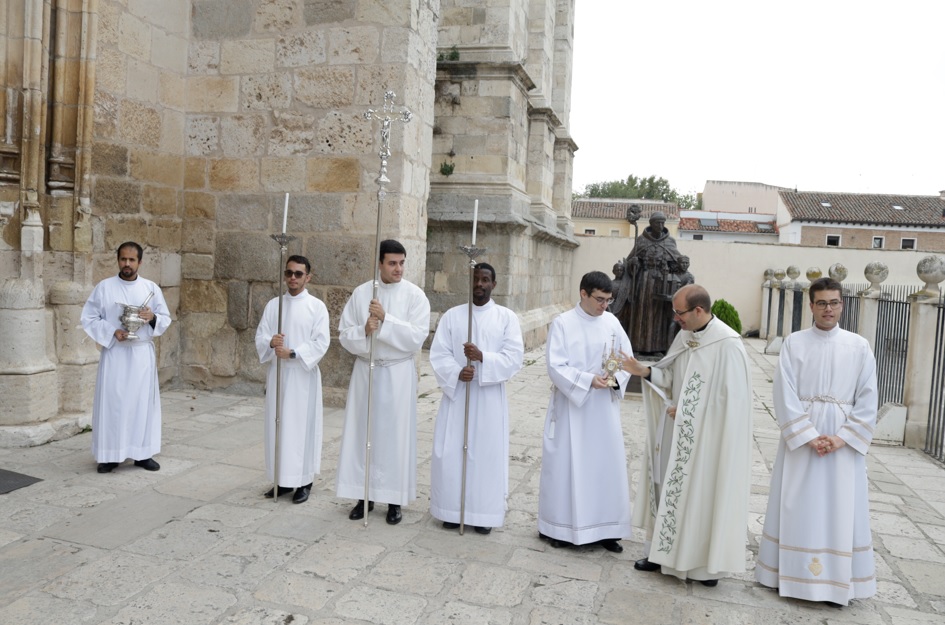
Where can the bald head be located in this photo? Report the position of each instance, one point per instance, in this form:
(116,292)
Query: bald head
(692,307)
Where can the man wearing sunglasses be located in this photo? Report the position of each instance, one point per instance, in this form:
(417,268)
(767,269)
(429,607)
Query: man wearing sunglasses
(301,346)
(692,499)
(816,543)
(584,492)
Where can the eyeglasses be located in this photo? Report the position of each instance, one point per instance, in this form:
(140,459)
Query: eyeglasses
(823,304)
(680,313)
(297,274)
(603,300)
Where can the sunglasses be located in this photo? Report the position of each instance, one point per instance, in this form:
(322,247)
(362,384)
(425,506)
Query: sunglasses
(298,275)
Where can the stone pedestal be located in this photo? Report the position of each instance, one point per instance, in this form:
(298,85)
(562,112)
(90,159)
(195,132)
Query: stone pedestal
(919,358)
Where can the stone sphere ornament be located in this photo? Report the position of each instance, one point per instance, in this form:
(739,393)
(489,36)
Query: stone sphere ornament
(813,273)
(875,273)
(838,272)
(769,274)
(930,270)
(793,272)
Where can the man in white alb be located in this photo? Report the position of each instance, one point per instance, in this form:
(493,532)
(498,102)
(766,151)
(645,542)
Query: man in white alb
(692,498)
(496,353)
(816,544)
(301,345)
(126,413)
(584,491)
(400,320)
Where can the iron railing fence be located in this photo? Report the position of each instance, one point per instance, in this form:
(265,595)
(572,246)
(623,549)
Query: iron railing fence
(891,348)
(935,436)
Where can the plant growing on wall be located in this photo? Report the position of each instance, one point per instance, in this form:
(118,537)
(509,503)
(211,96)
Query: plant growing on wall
(447,168)
(727,314)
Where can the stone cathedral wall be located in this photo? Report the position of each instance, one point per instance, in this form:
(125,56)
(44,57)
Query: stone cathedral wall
(181,124)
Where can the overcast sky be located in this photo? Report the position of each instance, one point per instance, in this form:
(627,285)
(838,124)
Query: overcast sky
(825,95)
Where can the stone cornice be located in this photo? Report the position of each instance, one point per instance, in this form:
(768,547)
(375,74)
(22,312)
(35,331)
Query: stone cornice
(459,70)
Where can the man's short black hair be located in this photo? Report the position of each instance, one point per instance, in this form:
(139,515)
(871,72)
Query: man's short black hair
(137,248)
(597,280)
(390,246)
(487,267)
(299,260)
(824,284)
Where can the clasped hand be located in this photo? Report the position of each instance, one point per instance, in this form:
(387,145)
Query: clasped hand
(826,444)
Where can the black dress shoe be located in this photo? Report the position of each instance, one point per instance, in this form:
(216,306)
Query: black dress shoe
(554,542)
(106,467)
(711,583)
(449,525)
(301,494)
(483,530)
(148,465)
(646,565)
(393,514)
(611,544)
(357,512)
(283,490)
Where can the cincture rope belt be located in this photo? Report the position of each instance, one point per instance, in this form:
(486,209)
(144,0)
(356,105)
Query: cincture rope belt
(380,362)
(827,399)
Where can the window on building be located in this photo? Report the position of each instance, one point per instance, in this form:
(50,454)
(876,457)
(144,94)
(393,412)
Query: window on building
(590,231)
(879,242)
(907,244)
(614,232)
(752,209)
(833,240)
(697,237)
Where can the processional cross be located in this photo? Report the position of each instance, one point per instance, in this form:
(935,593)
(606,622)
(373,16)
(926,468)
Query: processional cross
(386,117)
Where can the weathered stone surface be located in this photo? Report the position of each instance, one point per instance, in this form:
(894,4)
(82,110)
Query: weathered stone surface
(244,256)
(343,134)
(301,49)
(27,398)
(266,92)
(321,213)
(490,585)
(247,213)
(119,230)
(266,616)
(158,200)
(203,57)
(199,205)
(118,196)
(134,37)
(199,236)
(143,81)
(224,353)
(166,169)
(173,124)
(195,173)
(342,258)
(333,175)
(243,135)
(202,296)
(197,266)
(292,134)
(221,19)
(336,559)
(379,606)
(232,174)
(328,11)
(247,56)
(139,124)
(111,580)
(325,87)
(174,603)
(164,233)
(354,45)
(203,136)
(76,385)
(282,174)
(109,159)
(278,16)
(237,304)
(213,94)
(168,51)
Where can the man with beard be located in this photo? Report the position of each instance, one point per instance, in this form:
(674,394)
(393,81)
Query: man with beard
(301,345)
(126,412)
(496,352)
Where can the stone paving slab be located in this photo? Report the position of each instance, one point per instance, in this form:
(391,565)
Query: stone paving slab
(196,543)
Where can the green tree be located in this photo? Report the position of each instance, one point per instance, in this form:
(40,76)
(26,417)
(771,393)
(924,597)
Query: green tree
(636,188)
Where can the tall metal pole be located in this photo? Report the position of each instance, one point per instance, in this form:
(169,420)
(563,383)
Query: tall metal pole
(283,241)
(382,181)
(472,252)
